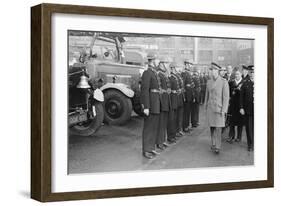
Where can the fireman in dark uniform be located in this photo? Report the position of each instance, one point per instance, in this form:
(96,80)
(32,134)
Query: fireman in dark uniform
(196,99)
(150,100)
(172,119)
(181,100)
(188,85)
(165,89)
(247,104)
(203,83)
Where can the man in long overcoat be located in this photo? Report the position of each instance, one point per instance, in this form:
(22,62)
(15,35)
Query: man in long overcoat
(150,100)
(216,103)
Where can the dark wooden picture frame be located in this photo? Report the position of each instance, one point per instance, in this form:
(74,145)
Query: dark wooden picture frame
(41,117)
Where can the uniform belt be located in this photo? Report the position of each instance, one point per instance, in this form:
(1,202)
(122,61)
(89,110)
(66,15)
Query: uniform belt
(166,91)
(180,91)
(189,85)
(174,91)
(155,90)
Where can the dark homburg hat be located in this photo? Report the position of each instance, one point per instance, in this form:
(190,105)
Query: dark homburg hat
(215,66)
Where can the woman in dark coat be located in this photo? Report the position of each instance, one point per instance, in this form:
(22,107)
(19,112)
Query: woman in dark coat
(236,118)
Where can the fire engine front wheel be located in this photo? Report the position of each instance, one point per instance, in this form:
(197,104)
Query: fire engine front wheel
(91,126)
(117,107)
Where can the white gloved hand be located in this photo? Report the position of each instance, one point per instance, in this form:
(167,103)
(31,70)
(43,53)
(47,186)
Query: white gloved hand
(242,111)
(146,112)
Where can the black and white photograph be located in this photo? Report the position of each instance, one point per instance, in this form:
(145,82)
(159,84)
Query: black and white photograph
(139,102)
(134,102)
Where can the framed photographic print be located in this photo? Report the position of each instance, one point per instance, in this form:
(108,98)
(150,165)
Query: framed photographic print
(129,102)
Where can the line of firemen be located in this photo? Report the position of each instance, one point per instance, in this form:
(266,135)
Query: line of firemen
(170,101)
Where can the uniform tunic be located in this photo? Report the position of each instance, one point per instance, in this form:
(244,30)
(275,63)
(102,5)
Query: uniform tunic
(216,101)
(174,91)
(247,96)
(181,97)
(165,86)
(196,89)
(188,86)
(165,107)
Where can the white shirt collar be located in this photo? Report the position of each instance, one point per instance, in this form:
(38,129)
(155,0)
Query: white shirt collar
(237,82)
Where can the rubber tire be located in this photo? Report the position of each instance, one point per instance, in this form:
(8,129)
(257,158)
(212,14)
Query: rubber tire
(124,101)
(93,126)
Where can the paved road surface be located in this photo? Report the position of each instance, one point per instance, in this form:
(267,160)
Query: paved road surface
(118,148)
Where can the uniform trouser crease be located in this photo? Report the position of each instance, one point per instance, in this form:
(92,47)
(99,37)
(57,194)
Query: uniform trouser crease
(171,129)
(195,113)
(162,131)
(180,119)
(187,114)
(150,130)
(249,123)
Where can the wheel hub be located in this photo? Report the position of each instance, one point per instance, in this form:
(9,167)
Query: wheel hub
(113,108)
